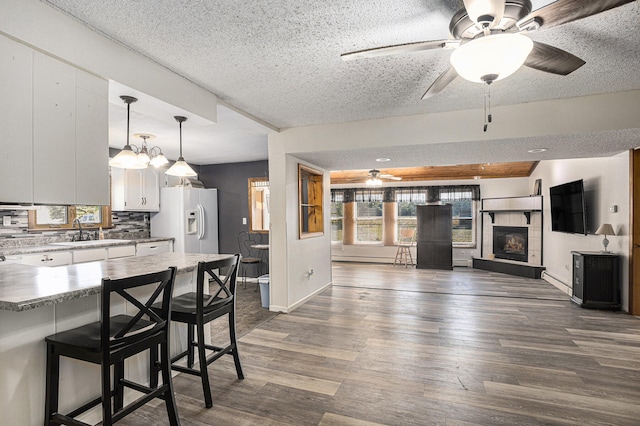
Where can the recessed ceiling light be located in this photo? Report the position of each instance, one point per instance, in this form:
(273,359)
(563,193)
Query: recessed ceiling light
(382,160)
(537,150)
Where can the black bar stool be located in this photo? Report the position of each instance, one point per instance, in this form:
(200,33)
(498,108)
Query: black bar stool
(197,309)
(111,341)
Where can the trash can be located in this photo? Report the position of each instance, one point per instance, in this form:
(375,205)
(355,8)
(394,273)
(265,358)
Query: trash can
(263,280)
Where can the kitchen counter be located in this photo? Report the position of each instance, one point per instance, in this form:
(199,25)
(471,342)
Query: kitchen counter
(66,246)
(38,301)
(24,287)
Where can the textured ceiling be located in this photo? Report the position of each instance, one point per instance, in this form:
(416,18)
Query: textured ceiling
(279,60)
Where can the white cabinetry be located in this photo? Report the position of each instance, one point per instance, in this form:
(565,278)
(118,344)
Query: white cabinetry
(90,255)
(147,249)
(121,251)
(16,124)
(135,190)
(56,258)
(55,118)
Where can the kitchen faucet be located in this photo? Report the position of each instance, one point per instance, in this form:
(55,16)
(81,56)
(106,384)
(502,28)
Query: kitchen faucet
(77,220)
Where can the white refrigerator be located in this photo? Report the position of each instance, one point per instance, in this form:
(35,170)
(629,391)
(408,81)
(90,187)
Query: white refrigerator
(190,215)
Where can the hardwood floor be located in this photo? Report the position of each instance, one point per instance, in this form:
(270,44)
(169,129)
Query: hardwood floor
(394,346)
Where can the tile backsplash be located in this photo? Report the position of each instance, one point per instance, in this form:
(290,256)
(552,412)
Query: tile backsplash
(125,225)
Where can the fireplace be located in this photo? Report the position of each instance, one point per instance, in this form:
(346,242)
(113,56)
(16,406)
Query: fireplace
(510,242)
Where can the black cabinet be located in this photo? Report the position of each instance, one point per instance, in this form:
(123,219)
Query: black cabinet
(596,280)
(435,239)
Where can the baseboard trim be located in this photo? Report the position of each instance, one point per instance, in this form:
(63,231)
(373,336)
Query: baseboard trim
(286,310)
(556,282)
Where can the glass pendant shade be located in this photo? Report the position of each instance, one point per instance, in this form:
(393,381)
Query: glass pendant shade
(374,182)
(492,57)
(181,168)
(127,159)
(159,160)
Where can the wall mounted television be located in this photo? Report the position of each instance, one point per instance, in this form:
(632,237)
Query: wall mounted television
(568,208)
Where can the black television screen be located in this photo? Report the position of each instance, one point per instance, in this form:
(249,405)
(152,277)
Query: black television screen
(568,208)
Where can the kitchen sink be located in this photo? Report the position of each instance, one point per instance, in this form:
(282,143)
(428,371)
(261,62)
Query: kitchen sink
(89,243)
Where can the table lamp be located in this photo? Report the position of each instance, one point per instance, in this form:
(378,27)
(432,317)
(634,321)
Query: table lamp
(605,229)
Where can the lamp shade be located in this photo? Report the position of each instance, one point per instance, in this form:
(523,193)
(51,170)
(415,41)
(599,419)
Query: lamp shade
(127,159)
(159,160)
(181,168)
(493,57)
(605,229)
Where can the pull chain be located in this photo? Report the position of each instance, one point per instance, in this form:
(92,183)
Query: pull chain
(487,104)
(488,79)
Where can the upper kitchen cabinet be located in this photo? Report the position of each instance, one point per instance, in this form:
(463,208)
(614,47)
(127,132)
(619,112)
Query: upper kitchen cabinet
(55,119)
(70,134)
(16,125)
(135,190)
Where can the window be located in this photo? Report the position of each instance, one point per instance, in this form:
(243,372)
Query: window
(310,193)
(336,221)
(259,205)
(62,217)
(463,217)
(369,222)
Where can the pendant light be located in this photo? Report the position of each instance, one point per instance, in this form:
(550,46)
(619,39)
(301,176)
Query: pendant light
(180,167)
(127,158)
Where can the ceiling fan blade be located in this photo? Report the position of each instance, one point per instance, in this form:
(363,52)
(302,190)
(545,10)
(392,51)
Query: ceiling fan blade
(399,48)
(441,82)
(391,177)
(563,11)
(551,59)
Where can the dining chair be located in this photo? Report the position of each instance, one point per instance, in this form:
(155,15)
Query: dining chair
(111,341)
(248,258)
(214,298)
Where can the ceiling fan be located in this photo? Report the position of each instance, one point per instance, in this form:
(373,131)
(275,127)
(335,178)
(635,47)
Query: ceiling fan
(490,44)
(375,177)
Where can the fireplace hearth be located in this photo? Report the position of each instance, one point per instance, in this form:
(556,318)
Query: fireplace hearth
(511,243)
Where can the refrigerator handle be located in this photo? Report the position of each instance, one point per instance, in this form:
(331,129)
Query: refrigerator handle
(201,227)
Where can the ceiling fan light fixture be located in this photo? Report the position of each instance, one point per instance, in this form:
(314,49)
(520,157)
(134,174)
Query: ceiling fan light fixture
(485,12)
(497,55)
(374,181)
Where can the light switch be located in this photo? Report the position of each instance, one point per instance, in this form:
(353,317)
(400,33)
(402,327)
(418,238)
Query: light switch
(244,220)
(6,220)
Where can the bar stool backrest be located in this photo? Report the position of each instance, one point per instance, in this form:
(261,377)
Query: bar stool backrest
(141,321)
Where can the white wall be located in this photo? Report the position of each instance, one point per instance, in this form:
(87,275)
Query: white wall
(606,183)
(291,258)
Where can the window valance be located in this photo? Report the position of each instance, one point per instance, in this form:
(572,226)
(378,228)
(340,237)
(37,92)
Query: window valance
(412,194)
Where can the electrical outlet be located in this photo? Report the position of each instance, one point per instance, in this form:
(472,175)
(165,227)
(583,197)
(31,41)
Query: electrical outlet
(6,220)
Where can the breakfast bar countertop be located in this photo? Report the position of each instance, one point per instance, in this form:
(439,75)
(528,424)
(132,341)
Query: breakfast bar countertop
(24,287)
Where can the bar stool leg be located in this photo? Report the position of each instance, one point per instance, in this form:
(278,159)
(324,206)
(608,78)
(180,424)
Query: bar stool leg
(234,342)
(202,359)
(51,387)
(169,395)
